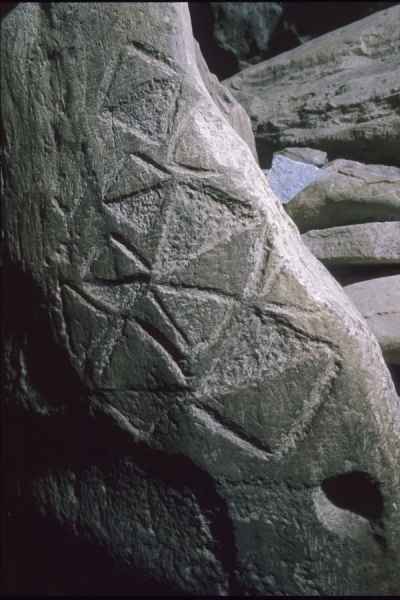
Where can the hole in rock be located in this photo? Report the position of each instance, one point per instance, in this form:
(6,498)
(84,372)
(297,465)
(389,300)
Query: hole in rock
(357,492)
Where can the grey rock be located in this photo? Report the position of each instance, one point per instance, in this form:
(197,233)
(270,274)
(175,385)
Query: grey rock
(192,404)
(346,193)
(338,93)
(245,28)
(287,177)
(378,300)
(227,104)
(364,244)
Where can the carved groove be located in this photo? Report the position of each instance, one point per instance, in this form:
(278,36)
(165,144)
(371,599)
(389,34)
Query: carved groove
(152,53)
(162,341)
(232,431)
(105,310)
(119,239)
(125,280)
(178,330)
(117,199)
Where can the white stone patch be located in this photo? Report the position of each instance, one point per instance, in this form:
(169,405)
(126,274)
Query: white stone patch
(288,177)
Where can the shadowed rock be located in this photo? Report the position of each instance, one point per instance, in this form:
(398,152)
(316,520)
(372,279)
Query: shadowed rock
(188,393)
(245,28)
(306,155)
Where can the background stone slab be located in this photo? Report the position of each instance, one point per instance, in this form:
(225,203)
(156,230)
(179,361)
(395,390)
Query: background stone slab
(378,300)
(338,93)
(363,244)
(345,193)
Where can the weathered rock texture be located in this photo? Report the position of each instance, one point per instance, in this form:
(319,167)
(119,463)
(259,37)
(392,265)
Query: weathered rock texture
(230,108)
(348,192)
(364,244)
(339,93)
(378,300)
(192,405)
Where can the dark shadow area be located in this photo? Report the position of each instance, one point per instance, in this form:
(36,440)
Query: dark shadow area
(222,63)
(28,324)
(395,373)
(357,492)
(48,558)
(347,275)
(308,20)
(363,151)
(5,8)
(45,556)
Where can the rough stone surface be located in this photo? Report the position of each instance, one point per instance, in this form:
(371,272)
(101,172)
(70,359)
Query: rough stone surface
(346,193)
(192,405)
(339,93)
(378,300)
(364,244)
(228,105)
(287,177)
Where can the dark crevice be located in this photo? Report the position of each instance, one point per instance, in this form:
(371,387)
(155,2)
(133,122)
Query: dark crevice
(265,149)
(30,325)
(147,159)
(221,62)
(348,274)
(269,142)
(152,52)
(170,390)
(127,279)
(129,246)
(177,356)
(192,169)
(98,306)
(134,193)
(395,373)
(179,330)
(209,290)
